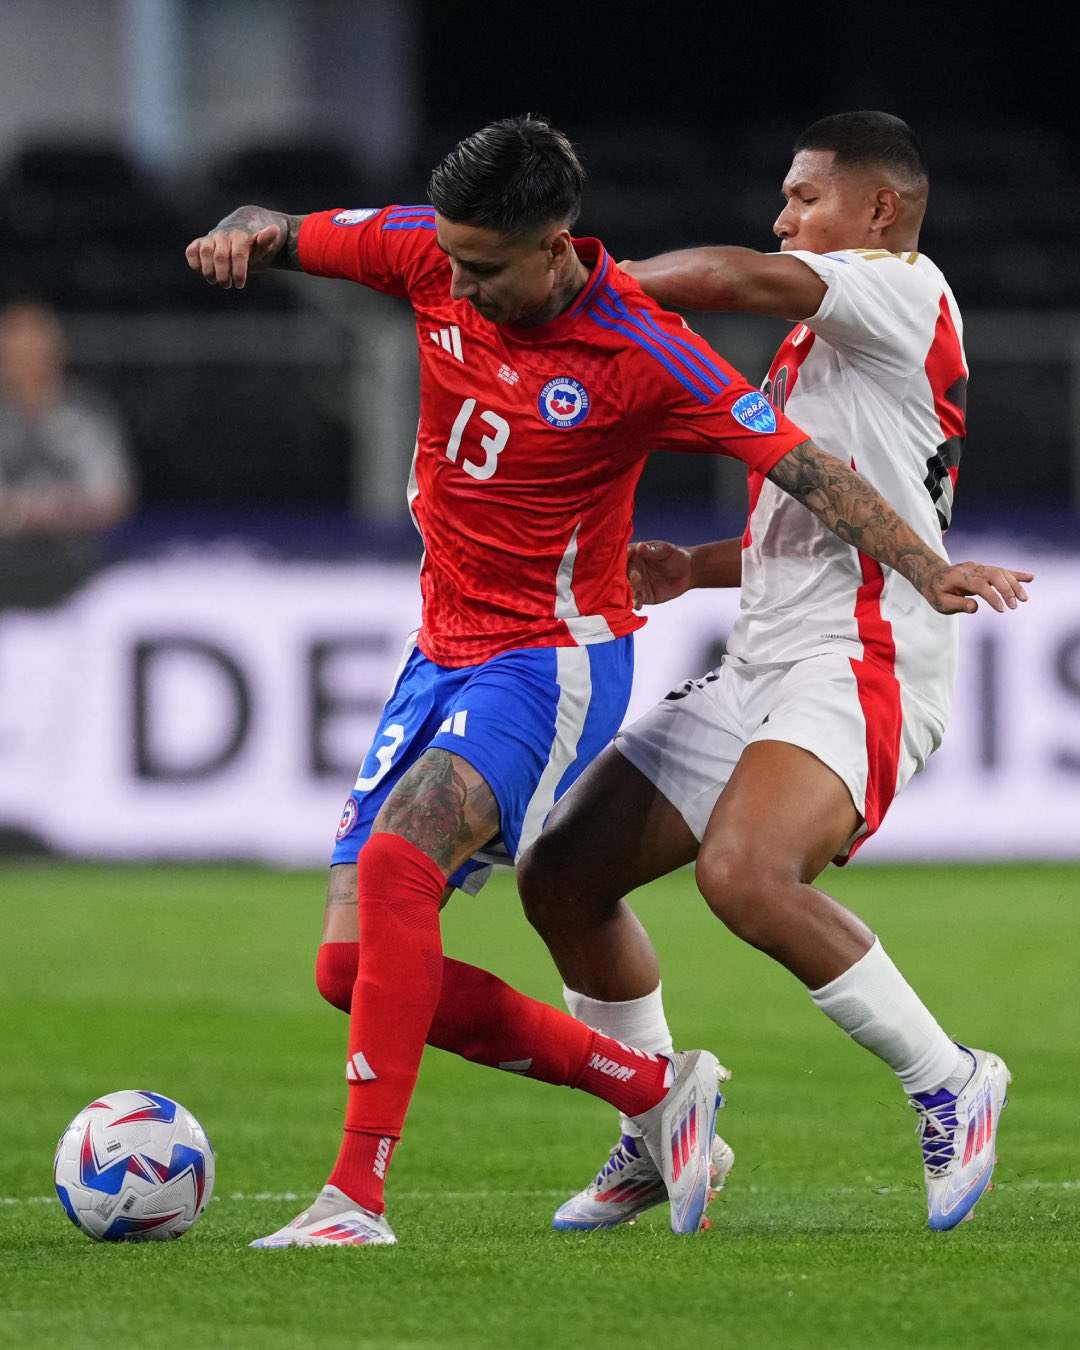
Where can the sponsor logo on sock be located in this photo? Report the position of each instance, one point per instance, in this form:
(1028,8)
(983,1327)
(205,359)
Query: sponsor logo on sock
(382,1155)
(358,1070)
(612,1068)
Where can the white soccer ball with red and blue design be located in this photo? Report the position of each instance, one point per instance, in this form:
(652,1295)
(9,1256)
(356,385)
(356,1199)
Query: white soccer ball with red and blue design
(134,1167)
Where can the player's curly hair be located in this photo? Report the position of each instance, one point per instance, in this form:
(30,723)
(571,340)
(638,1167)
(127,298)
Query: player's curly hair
(870,139)
(512,176)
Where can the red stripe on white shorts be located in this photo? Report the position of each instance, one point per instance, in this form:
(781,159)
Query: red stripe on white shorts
(879,696)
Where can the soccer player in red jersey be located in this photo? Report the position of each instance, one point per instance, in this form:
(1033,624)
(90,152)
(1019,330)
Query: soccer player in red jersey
(838,680)
(547,377)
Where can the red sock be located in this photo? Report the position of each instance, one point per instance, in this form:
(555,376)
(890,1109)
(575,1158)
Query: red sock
(484,1020)
(335,972)
(360,1170)
(631,1080)
(393,1000)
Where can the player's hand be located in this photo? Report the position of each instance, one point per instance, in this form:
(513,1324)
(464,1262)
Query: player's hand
(226,256)
(952,590)
(657,571)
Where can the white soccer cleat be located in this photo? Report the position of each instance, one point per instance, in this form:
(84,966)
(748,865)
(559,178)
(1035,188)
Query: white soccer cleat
(332,1220)
(958,1135)
(678,1134)
(628,1184)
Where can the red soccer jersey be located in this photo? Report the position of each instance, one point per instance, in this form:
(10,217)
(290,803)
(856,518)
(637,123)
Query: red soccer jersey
(531,440)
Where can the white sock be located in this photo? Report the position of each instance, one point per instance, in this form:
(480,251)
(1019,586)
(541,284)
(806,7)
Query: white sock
(877,1007)
(640,1022)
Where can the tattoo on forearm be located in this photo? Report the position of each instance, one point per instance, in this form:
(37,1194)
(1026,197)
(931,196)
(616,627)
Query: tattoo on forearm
(252,219)
(849,505)
(428,807)
(289,257)
(341,887)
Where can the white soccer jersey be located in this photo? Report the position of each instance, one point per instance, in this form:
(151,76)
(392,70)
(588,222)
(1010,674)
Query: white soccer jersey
(878,378)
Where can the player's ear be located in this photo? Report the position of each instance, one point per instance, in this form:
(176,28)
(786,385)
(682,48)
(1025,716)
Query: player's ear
(886,208)
(560,246)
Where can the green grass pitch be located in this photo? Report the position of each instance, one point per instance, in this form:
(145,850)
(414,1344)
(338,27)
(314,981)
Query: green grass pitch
(196,982)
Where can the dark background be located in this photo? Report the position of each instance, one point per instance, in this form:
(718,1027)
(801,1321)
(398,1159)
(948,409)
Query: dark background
(684,117)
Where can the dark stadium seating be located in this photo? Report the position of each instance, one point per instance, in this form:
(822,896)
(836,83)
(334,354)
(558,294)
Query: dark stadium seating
(85,227)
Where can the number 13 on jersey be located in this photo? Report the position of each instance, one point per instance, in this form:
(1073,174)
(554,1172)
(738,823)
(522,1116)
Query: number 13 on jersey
(492,446)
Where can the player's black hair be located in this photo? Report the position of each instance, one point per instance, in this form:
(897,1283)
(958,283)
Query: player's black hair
(512,176)
(871,139)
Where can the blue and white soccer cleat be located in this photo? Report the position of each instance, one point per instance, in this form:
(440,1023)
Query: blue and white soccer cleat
(958,1135)
(332,1220)
(678,1134)
(628,1184)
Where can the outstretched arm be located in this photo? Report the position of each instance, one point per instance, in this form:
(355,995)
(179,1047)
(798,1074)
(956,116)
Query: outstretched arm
(732,279)
(250,239)
(853,509)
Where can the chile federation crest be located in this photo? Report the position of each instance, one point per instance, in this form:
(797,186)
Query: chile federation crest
(563,403)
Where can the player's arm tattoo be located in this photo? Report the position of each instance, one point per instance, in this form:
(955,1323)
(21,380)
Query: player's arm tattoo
(435,809)
(251,219)
(341,886)
(851,507)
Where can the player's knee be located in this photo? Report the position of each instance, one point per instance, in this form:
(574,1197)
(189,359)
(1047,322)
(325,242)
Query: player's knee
(538,888)
(746,892)
(546,888)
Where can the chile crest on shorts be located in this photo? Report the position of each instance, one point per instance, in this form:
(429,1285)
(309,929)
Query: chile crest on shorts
(563,403)
(348,818)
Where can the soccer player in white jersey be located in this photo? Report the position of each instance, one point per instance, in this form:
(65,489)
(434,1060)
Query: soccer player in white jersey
(837,682)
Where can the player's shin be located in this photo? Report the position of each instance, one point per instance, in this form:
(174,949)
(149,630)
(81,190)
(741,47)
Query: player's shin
(484,1020)
(393,1000)
(877,1008)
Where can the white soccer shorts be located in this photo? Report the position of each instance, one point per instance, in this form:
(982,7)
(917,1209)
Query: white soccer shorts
(853,715)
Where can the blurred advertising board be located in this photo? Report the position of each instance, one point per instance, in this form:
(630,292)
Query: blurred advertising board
(218,706)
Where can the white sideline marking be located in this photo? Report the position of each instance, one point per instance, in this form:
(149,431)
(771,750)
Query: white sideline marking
(278,1196)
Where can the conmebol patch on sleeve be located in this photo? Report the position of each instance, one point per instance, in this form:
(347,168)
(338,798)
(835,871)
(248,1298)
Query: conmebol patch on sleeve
(754,412)
(356,217)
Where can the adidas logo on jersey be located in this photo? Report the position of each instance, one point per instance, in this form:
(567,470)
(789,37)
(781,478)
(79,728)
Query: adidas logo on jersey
(449,339)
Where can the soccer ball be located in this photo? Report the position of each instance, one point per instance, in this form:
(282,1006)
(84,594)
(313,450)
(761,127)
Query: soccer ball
(134,1167)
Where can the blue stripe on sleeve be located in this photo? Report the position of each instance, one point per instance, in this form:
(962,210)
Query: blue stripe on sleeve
(684,352)
(685,378)
(410,218)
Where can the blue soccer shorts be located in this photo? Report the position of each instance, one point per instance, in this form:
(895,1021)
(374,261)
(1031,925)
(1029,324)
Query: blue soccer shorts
(529,721)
